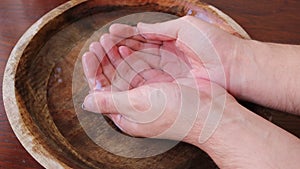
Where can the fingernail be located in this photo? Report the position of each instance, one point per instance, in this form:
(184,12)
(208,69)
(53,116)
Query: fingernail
(88,103)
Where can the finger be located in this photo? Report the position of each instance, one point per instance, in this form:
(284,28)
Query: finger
(90,66)
(125,51)
(144,40)
(108,71)
(160,31)
(126,70)
(172,66)
(126,103)
(101,80)
(97,49)
(145,65)
(109,45)
(108,68)
(140,60)
(123,30)
(141,105)
(126,31)
(172,29)
(123,70)
(139,46)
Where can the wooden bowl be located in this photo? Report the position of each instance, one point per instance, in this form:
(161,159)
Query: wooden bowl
(38,95)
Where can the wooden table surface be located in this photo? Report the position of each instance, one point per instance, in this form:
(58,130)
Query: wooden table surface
(265,20)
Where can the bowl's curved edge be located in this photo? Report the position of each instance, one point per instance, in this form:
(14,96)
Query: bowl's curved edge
(232,23)
(38,151)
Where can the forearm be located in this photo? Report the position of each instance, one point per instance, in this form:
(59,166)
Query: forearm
(245,140)
(268,74)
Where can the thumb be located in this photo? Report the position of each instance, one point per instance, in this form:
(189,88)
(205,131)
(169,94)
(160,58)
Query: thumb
(142,104)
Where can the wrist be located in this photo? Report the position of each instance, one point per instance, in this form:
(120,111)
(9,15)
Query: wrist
(223,142)
(233,142)
(238,66)
(246,140)
(233,118)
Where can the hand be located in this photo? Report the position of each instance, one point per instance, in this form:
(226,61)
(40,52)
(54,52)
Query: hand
(238,138)
(155,61)
(212,53)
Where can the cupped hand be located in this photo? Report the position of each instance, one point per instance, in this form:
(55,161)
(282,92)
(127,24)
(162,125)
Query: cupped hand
(152,85)
(212,53)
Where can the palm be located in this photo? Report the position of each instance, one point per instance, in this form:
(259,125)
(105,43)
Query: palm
(111,65)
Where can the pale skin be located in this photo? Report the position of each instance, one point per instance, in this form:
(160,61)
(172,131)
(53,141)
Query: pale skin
(263,73)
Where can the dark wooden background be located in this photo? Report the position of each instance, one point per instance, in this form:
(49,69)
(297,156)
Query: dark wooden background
(265,20)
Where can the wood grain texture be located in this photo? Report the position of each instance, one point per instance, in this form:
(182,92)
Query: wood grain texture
(276,22)
(15,17)
(42,113)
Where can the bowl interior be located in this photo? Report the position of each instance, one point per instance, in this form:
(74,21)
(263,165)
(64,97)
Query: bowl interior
(43,84)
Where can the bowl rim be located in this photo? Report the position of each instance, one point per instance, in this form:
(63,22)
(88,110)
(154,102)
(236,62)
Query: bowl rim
(38,151)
